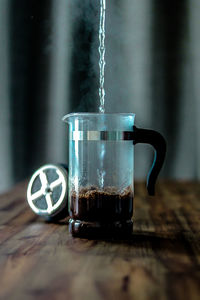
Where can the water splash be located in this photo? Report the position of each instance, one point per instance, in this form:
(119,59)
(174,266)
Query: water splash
(102,51)
(101,177)
(101,172)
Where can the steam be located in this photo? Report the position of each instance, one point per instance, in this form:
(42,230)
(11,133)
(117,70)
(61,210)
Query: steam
(84,60)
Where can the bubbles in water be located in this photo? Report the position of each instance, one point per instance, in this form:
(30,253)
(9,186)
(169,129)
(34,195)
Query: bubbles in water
(102,51)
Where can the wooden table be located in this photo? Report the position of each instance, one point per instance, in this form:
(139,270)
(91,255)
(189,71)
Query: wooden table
(161,261)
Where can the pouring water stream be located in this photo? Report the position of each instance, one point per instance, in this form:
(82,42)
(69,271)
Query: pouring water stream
(102,50)
(101,171)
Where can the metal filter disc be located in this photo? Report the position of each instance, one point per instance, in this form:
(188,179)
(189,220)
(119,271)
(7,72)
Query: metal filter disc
(47,191)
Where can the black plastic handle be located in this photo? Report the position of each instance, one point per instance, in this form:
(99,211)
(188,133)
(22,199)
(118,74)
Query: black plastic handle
(155,139)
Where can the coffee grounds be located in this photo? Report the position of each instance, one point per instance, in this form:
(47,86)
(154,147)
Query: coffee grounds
(96,205)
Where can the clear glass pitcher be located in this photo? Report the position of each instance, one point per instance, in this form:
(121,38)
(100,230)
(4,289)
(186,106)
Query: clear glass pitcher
(101,171)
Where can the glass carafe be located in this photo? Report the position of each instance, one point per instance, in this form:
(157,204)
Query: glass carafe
(101,171)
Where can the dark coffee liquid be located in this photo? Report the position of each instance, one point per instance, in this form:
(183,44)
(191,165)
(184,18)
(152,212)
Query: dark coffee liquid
(94,210)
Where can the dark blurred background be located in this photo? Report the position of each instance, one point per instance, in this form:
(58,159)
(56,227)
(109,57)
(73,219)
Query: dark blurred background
(49,67)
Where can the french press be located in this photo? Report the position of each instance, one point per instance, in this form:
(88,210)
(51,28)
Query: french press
(100,176)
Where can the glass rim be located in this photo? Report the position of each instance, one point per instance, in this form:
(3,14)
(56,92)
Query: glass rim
(91,114)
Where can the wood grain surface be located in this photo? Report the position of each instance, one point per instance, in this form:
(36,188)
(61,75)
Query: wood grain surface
(160,261)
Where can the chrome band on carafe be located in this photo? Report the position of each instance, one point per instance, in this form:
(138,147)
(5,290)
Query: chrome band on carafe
(101,135)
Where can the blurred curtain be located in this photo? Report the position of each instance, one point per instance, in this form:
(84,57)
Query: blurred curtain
(49,67)
(5,115)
